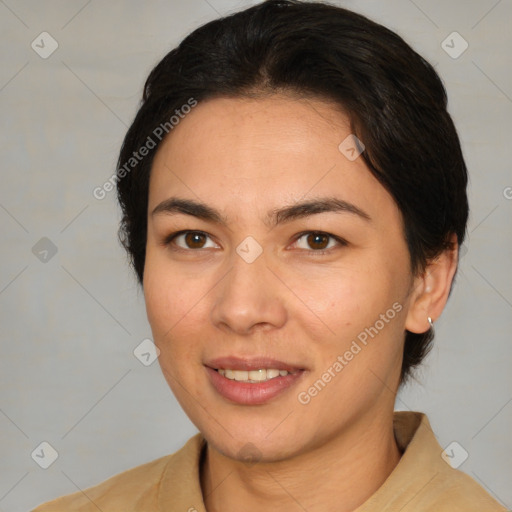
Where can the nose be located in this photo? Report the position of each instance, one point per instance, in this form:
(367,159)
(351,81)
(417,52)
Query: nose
(249,298)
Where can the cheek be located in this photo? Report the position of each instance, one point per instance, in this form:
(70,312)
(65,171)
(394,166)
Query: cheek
(345,298)
(360,308)
(173,319)
(172,300)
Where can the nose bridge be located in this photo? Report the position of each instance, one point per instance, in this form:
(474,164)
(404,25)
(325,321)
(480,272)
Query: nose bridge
(246,276)
(247,296)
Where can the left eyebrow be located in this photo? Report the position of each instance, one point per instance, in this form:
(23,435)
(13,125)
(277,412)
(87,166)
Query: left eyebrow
(275,217)
(315,206)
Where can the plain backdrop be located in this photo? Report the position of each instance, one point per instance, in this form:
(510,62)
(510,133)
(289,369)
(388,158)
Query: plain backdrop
(71,312)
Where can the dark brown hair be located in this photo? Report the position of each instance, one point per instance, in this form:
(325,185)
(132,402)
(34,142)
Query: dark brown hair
(395,100)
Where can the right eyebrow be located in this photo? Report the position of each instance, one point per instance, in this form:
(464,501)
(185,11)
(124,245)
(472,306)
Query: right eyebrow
(189,207)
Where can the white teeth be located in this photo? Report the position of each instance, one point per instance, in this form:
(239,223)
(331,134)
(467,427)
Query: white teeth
(275,373)
(240,375)
(253,375)
(258,375)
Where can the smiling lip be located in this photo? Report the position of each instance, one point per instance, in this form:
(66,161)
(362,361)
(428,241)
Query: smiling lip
(247,364)
(247,393)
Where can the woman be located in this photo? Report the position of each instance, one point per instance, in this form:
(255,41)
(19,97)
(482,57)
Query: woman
(294,196)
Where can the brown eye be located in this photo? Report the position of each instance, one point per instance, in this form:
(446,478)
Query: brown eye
(194,240)
(186,240)
(318,241)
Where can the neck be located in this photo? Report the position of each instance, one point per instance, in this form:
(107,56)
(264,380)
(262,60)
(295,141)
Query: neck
(338,475)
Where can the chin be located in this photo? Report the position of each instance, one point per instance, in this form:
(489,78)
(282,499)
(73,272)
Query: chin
(255,449)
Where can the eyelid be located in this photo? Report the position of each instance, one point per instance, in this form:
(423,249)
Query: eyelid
(340,241)
(170,238)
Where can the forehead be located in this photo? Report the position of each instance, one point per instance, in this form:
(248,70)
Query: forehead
(261,153)
(254,132)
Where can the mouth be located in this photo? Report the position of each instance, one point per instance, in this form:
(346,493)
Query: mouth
(252,381)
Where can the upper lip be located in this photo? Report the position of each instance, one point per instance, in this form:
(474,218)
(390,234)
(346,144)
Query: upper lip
(251,363)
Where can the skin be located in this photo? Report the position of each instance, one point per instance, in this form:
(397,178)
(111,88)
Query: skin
(245,157)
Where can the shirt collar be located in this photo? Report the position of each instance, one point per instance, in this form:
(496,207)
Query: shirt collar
(419,466)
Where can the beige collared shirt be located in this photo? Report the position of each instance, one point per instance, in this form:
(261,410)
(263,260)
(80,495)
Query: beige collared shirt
(421,482)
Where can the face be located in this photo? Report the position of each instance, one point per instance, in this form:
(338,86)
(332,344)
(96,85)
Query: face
(269,248)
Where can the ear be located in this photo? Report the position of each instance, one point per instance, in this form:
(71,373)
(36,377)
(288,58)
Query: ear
(431,289)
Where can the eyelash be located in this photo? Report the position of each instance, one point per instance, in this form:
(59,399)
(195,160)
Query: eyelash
(342,243)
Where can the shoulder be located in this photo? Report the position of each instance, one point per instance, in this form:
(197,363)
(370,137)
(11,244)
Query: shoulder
(424,476)
(134,489)
(455,491)
(127,487)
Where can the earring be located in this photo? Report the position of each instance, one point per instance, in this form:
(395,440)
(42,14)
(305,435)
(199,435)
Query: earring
(430,322)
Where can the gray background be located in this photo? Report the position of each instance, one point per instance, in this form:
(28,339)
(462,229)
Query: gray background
(69,325)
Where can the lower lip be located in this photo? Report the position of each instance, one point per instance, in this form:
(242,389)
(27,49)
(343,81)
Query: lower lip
(247,393)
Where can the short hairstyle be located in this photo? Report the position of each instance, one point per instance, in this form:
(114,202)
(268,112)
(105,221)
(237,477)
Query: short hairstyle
(396,103)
